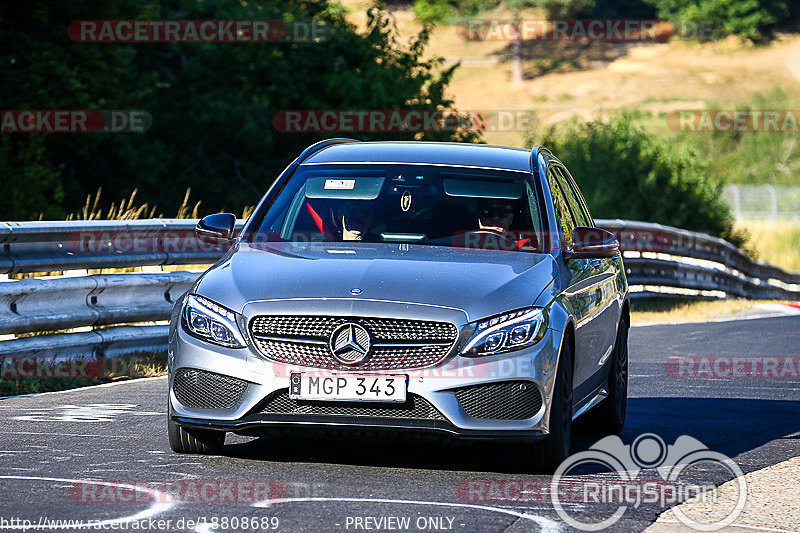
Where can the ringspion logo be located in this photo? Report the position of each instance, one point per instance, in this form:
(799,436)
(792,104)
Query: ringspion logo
(626,487)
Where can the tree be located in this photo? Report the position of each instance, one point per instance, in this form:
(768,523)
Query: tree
(555,9)
(212,104)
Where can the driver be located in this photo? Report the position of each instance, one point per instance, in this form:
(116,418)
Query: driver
(495,215)
(357,222)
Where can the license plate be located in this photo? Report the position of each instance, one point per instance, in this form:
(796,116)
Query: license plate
(348,388)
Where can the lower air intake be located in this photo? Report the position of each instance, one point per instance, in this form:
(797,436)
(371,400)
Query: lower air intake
(199,389)
(508,400)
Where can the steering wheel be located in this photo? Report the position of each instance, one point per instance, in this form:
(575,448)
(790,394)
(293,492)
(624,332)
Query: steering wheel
(503,236)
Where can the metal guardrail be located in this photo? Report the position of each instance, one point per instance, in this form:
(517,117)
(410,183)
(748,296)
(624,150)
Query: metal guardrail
(665,257)
(48,304)
(101,343)
(658,259)
(94,244)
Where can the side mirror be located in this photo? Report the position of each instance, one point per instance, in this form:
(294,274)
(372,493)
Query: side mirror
(589,243)
(216,229)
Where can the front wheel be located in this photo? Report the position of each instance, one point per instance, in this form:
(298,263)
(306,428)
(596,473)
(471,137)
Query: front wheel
(199,441)
(545,456)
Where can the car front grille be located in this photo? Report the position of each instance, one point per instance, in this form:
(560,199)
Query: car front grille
(415,407)
(199,389)
(395,344)
(508,400)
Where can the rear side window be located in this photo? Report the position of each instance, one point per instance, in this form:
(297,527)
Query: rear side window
(576,193)
(565,222)
(579,214)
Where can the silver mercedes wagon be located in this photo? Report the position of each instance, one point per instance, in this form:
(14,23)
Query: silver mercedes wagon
(406,288)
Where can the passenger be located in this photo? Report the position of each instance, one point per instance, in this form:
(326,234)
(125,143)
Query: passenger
(495,215)
(358,222)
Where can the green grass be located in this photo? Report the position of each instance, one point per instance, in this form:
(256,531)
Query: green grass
(747,157)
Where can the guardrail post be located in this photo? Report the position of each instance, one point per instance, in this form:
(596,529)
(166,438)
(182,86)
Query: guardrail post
(773,197)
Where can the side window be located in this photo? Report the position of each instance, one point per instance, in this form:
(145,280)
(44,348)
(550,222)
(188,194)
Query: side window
(575,204)
(577,192)
(565,222)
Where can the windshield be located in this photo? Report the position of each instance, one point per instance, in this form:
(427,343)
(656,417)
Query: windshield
(414,204)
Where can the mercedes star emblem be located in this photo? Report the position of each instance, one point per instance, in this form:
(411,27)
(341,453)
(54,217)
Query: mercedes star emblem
(350,343)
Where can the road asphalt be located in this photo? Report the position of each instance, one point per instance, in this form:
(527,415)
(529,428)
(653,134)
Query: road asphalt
(77,455)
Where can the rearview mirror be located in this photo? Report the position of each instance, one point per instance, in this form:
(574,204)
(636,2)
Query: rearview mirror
(216,229)
(591,243)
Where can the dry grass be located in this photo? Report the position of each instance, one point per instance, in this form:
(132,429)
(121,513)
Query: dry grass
(565,80)
(127,209)
(673,311)
(776,242)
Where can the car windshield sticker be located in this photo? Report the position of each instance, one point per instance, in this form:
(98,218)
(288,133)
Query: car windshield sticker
(340,184)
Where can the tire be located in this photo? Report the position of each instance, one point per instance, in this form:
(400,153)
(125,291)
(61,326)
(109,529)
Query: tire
(608,418)
(545,456)
(198,441)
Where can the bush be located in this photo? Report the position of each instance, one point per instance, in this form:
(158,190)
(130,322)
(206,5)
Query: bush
(746,18)
(438,11)
(28,185)
(626,172)
(432,11)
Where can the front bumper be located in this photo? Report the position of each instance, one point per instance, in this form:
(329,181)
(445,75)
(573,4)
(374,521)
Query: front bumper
(354,427)
(534,367)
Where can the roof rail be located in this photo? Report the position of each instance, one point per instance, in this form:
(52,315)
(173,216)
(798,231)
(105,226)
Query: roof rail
(321,145)
(535,151)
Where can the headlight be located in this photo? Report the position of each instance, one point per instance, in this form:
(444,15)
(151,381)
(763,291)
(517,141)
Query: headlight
(211,322)
(507,332)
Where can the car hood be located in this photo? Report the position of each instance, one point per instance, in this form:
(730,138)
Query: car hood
(479,282)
